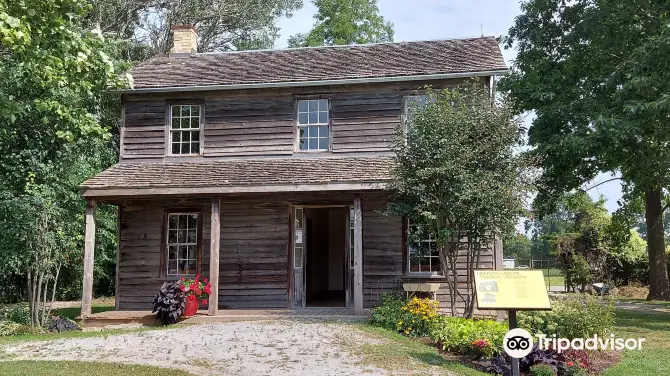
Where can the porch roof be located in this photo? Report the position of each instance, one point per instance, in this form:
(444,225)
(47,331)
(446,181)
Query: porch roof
(240,176)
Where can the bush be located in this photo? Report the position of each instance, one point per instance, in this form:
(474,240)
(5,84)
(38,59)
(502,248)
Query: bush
(17,313)
(11,328)
(542,370)
(389,312)
(62,324)
(467,336)
(571,319)
(573,369)
(170,303)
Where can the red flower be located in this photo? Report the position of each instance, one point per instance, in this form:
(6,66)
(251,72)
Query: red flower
(204,301)
(182,288)
(582,365)
(205,280)
(570,364)
(192,297)
(207,289)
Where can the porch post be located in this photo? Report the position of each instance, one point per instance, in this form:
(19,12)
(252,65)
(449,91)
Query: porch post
(358,255)
(89,249)
(214,257)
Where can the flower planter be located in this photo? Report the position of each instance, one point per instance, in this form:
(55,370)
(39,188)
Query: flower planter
(191,307)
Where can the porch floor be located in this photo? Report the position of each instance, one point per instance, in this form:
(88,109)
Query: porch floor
(107,318)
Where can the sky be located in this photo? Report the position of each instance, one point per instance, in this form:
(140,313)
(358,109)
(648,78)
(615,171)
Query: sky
(442,19)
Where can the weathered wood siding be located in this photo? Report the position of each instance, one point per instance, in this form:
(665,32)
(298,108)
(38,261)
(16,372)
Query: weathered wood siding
(263,122)
(364,120)
(254,255)
(143,129)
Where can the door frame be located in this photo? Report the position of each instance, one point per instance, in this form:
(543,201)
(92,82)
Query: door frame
(299,274)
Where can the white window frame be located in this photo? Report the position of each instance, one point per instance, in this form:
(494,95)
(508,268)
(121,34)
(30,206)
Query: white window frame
(200,128)
(431,259)
(178,244)
(318,125)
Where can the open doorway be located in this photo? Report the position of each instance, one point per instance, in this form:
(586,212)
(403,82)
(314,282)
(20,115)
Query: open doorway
(325,250)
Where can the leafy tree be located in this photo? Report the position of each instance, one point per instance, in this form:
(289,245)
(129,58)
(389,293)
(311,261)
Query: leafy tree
(342,22)
(53,72)
(517,246)
(456,176)
(597,76)
(222,25)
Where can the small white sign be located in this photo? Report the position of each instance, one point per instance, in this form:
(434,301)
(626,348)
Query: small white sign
(298,236)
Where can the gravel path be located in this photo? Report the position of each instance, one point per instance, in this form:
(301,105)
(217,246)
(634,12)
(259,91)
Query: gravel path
(236,348)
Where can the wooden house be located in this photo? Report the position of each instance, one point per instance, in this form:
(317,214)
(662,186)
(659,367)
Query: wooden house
(265,171)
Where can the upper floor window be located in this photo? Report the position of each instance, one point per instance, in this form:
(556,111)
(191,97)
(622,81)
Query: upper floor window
(185,122)
(182,243)
(411,104)
(313,125)
(422,252)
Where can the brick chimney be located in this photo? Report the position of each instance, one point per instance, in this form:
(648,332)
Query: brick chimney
(185,39)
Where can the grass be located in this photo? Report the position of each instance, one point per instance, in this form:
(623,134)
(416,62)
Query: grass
(48,336)
(398,353)
(654,358)
(67,368)
(73,312)
(553,277)
(661,303)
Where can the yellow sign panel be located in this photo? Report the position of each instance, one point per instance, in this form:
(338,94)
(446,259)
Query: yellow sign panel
(511,290)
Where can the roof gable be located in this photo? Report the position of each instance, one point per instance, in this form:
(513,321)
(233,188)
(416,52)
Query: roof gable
(336,63)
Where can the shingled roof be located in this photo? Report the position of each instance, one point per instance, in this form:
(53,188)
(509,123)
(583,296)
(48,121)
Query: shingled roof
(240,176)
(300,65)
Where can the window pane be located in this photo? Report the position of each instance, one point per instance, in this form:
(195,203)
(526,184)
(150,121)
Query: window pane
(175,123)
(323,131)
(312,132)
(303,143)
(313,105)
(181,267)
(302,106)
(176,136)
(173,221)
(172,252)
(323,143)
(192,236)
(297,257)
(313,117)
(183,252)
(195,122)
(175,148)
(323,105)
(323,117)
(181,236)
(175,111)
(435,265)
(191,252)
(172,267)
(185,111)
(313,144)
(195,147)
(303,118)
(195,111)
(186,136)
(190,267)
(172,236)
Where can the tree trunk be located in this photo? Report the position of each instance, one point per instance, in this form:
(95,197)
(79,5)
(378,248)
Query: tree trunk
(659,287)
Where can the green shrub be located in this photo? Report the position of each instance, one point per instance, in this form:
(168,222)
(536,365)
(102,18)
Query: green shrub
(542,370)
(571,319)
(11,328)
(573,369)
(389,312)
(17,313)
(466,336)
(410,317)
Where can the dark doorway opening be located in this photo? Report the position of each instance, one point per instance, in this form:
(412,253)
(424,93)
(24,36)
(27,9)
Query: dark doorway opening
(325,247)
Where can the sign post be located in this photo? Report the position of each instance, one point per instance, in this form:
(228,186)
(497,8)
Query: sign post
(511,291)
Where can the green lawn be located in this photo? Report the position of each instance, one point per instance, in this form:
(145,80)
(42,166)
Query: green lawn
(44,368)
(398,353)
(661,303)
(654,358)
(73,312)
(553,277)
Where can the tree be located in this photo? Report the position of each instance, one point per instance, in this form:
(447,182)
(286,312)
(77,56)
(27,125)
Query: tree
(457,177)
(597,77)
(222,24)
(343,22)
(517,246)
(53,72)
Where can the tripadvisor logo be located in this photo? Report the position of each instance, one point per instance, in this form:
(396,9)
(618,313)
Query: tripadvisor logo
(518,343)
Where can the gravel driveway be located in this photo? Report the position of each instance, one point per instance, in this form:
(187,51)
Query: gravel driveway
(235,348)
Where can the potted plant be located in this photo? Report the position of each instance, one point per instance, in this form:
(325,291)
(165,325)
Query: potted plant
(170,303)
(195,291)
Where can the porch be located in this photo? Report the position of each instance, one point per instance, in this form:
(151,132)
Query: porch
(113,318)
